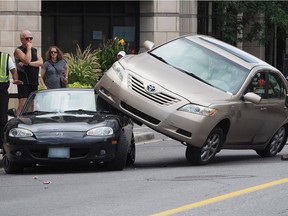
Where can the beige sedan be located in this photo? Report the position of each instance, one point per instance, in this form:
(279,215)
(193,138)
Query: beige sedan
(204,93)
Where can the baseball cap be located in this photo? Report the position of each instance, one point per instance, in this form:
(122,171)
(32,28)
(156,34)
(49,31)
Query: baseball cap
(121,53)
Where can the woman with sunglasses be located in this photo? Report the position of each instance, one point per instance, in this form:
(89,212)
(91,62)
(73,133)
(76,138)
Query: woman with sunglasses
(54,72)
(28,61)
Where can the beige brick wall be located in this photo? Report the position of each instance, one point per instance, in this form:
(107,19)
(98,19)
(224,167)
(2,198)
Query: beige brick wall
(163,20)
(15,16)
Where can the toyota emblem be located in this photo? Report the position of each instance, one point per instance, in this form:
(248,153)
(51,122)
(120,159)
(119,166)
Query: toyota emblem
(150,88)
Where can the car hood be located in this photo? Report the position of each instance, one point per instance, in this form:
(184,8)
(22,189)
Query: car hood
(173,80)
(62,122)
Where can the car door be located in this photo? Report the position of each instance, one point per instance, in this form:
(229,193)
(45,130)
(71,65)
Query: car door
(255,123)
(273,105)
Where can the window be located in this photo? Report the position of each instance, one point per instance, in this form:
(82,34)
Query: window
(267,85)
(70,23)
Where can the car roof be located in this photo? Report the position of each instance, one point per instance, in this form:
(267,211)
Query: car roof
(233,53)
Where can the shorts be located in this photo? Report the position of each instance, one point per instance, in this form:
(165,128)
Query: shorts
(25,89)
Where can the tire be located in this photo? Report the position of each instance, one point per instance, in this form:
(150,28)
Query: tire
(119,162)
(213,144)
(11,167)
(131,156)
(276,144)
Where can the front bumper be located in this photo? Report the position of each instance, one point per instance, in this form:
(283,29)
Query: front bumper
(30,150)
(164,117)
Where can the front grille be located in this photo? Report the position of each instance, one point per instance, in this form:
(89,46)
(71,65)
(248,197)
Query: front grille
(161,98)
(74,153)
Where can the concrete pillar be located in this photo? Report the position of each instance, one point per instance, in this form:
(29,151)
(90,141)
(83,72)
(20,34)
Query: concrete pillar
(163,20)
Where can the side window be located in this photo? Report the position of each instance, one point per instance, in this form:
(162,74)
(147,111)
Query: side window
(257,84)
(276,88)
(267,85)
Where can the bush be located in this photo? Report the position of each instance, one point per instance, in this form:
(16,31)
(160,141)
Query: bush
(84,66)
(87,67)
(109,50)
(79,85)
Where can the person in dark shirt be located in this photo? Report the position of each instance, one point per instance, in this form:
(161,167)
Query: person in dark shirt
(28,62)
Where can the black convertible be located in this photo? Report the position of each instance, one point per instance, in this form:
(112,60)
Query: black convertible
(67,126)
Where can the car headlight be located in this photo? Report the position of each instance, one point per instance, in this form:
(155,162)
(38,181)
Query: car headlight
(197,109)
(119,70)
(20,132)
(100,131)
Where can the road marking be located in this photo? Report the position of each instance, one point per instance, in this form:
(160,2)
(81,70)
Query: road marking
(219,198)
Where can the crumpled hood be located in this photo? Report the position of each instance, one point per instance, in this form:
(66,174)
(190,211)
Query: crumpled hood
(61,122)
(173,80)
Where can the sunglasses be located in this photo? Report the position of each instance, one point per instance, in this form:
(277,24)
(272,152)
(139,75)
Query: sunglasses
(52,52)
(28,38)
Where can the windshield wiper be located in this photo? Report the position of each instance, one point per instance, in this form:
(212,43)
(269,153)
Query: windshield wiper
(80,111)
(193,75)
(159,58)
(37,112)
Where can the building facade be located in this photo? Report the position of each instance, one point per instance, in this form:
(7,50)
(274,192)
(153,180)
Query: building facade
(71,23)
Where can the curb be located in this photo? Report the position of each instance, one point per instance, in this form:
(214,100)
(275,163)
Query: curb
(145,136)
(139,137)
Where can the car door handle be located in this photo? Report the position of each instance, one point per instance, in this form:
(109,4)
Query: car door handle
(263,108)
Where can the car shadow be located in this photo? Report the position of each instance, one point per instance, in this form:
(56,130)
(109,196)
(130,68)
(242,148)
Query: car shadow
(65,169)
(221,160)
(170,162)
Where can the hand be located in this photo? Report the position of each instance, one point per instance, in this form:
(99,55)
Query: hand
(18,82)
(29,45)
(66,80)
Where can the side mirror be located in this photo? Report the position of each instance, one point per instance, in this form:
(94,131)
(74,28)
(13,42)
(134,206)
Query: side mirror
(252,97)
(148,45)
(12,112)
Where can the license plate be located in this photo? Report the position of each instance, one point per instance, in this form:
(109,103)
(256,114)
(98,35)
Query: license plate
(59,153)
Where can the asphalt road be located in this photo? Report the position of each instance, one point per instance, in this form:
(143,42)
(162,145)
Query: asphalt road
(160,183)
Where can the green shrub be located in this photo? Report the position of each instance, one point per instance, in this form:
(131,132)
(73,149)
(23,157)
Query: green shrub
(84,67)
(108,52)
(79,85)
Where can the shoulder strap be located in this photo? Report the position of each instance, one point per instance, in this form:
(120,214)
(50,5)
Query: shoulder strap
(54,68)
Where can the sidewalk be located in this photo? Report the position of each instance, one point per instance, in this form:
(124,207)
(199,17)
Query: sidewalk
(139,137)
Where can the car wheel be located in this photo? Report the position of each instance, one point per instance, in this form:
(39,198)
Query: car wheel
(201,156)
(11,167)
(275,144)
(131,156)
(119,162)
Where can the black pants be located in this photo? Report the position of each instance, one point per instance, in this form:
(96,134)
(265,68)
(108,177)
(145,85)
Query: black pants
(4,99)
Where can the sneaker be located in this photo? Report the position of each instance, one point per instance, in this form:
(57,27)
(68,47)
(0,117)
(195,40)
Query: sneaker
(284,157)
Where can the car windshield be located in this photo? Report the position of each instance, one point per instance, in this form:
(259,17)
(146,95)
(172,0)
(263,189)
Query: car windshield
(80,102)
(203,64)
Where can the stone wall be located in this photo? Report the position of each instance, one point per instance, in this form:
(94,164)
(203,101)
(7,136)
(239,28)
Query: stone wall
(163,20)
(15,16)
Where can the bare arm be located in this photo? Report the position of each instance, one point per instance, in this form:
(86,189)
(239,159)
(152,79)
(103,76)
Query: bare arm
(15,77)
(37,63)
(66,69)
(42,74)
(24,58)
